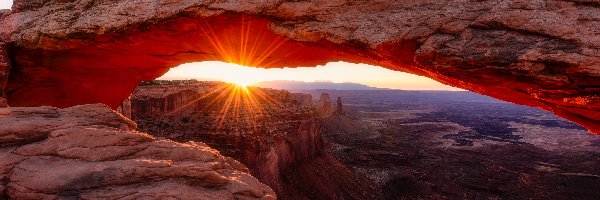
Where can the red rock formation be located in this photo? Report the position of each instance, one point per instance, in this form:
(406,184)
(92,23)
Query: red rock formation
(91,152)
(160,100)
(339,108)
(4,68)
(302,99)
(538,53)
(325,105)
(125,108)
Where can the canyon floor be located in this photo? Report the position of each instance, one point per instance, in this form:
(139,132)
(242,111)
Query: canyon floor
(460,145)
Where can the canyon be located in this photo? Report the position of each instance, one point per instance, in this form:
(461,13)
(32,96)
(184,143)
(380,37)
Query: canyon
(378,144)
(275,133)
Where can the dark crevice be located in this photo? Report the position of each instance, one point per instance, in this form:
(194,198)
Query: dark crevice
(180,52)
(555,67)
(96,181)
(40,136)
(503,27)
(590,3)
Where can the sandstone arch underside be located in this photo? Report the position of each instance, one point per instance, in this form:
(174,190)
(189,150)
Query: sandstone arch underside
(543,53)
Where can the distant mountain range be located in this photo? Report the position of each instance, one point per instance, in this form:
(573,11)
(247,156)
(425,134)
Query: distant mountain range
(300,85)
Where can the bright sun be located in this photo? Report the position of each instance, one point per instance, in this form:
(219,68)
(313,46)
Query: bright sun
(241,83)
(242,78)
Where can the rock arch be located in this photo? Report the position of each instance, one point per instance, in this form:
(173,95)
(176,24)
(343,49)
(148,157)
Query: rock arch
(543,53)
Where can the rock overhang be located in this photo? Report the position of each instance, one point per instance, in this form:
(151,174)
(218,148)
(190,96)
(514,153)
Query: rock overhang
(65,53)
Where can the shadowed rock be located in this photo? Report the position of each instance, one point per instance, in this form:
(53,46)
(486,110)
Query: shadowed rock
(92,152)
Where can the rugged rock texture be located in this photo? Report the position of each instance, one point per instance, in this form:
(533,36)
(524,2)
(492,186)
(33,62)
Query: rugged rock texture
(302,99)
(164,99)
(339,107)
(4,69)
(125,108)
(541,53)
(325,105)
(91,152)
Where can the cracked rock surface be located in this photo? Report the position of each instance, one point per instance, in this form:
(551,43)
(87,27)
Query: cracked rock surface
(91,152)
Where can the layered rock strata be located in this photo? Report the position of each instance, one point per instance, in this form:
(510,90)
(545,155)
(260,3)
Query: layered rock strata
(302,99)
(540,53)
(92,152)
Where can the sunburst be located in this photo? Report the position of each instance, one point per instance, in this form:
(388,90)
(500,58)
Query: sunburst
(247,46)
(234,103)
(250,45)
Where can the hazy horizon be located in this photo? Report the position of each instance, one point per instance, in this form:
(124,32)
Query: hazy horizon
(6,4)
(334,72)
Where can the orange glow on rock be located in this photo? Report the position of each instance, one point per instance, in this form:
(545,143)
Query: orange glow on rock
(106,68)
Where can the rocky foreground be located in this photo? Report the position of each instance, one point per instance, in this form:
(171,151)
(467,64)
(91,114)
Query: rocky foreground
(91,152)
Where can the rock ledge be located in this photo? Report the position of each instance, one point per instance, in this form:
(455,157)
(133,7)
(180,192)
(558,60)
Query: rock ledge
(92,152)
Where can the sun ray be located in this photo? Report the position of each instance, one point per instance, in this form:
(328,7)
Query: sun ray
(212,91)
(270,50)
(238,103)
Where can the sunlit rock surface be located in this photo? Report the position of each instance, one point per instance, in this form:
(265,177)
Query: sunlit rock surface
(540,53)
(91,152)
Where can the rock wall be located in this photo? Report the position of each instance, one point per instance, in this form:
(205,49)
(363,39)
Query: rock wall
(125,108)
(302,99)
(149,105)
(4,69)
(339,107)
(541,53)
(163,97)
(325,105)
(91,152)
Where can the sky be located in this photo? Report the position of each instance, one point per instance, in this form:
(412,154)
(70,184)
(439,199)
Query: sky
(336,72)
(6,4)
